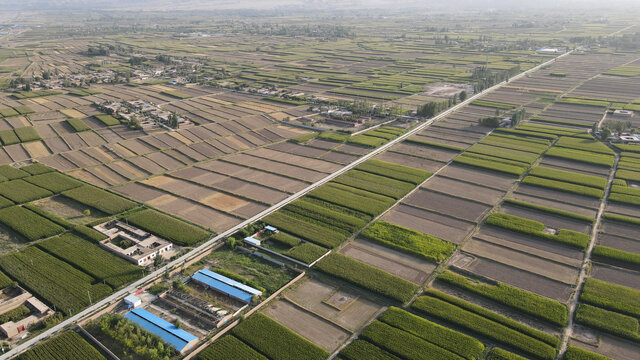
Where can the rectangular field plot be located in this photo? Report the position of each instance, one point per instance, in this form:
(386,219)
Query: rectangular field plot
(559,196)
(464,189)
(408,160)
(275,181)
(392,261)
(482,177)
(447,205)
(550,220)
(431,223)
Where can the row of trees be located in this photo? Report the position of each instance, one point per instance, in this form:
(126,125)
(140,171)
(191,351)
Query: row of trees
(485,78)
(432,108)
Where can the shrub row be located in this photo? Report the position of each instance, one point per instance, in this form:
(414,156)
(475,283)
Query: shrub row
(535,228)
(52,280)
(99,199)
(285,239)
(92,259)
(436,145)
(574,353)
(29,224)
(581,156)
(54,182)
(516,170)
(230,347)
(624,198)
(359,200)
(527,302)
(367,276)
(304,209)
(508,322)
(569,176)
(615,256)
(375,183)
(168,227)
(564,186)
(413,242)
(306,252)
(584,144)
(500,354)
(306,230)
(611,297)
(500,152)
(68,345)
(453,341)
(276,341)
(404,344)
(394,171)
(608,321)
(484,327)
(628,175)
(550,210)
(20,191)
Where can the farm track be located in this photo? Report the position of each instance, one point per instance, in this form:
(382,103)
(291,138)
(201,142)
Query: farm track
(117,296)
(568,331)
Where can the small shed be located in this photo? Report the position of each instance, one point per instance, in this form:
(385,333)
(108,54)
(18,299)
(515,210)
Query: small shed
(271,228)
(252,241)
(132,301)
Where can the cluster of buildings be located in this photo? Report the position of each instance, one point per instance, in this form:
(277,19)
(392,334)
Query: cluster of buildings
(14,297)
(146,114)
(131,243)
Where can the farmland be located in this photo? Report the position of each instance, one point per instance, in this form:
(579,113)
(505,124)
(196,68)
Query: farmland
(306,160)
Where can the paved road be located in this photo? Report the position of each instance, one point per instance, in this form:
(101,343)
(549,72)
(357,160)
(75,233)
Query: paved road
(117,296)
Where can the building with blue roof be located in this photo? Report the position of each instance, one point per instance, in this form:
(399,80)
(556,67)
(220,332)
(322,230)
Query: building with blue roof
(225,285)
(171,334)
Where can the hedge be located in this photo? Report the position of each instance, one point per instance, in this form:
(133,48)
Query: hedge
(536,229)
(527,302)
(394,171)
(413,242)
(612,297)
(574,353)
(501,354)
(12,173)
(307,252)
(54,182)
(315,233)
(615,256)
(367,276)
(168,228)
(608,321)
(92,259)
(27,133)
(37,169)
(359,200)
(550,210)
(276,341)
(364,350)
(375,183)
(9,137)
(624,198)
(68,345)
(99,199)
(229,347)
(484,327)
(20,191)
(479,310)
(29,224)
(564,186)
(404,344)
(569,176)
(458,343)
(627,190)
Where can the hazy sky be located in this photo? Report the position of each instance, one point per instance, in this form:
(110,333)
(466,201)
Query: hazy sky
(303,4)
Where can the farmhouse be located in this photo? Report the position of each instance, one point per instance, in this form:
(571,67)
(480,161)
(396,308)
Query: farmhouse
(17,297)
(131,243)
(174,336)
(226,286)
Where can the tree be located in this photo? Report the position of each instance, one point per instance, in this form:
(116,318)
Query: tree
(605,133)
(594,128)
(172,122)
(232,242)
(493,121)
(463,95)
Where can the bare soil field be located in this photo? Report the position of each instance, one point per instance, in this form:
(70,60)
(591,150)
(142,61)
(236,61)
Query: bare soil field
(485,178)
(448,205)
(427,152)
(340,158)
(291,148)
(274,181)
(343,306)
(575,166)
(619,242)
(431,223)
(559,196)
(521,279)
(465,190)
(563,254)
(555,204)
(301,161)
(612,347)
(411,161)
(275,167)
(438,140)
(315,329)
(623,209)
(393,261)
(616,275)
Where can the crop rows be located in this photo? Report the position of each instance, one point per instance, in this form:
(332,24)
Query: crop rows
(29,224)
(608,321)
(230,347)
(332,219)
(375,183)
(359,200)
(99,199)
(168,228)
(315,233)
(581,156)
(564,186)
(535,228)
(68,345)
(611,297)
(20,191)
(54,182)
(569,176)
(394,171)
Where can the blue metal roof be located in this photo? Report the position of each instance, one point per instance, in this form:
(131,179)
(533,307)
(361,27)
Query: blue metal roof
(222,287)
(231,282)
(171,334)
